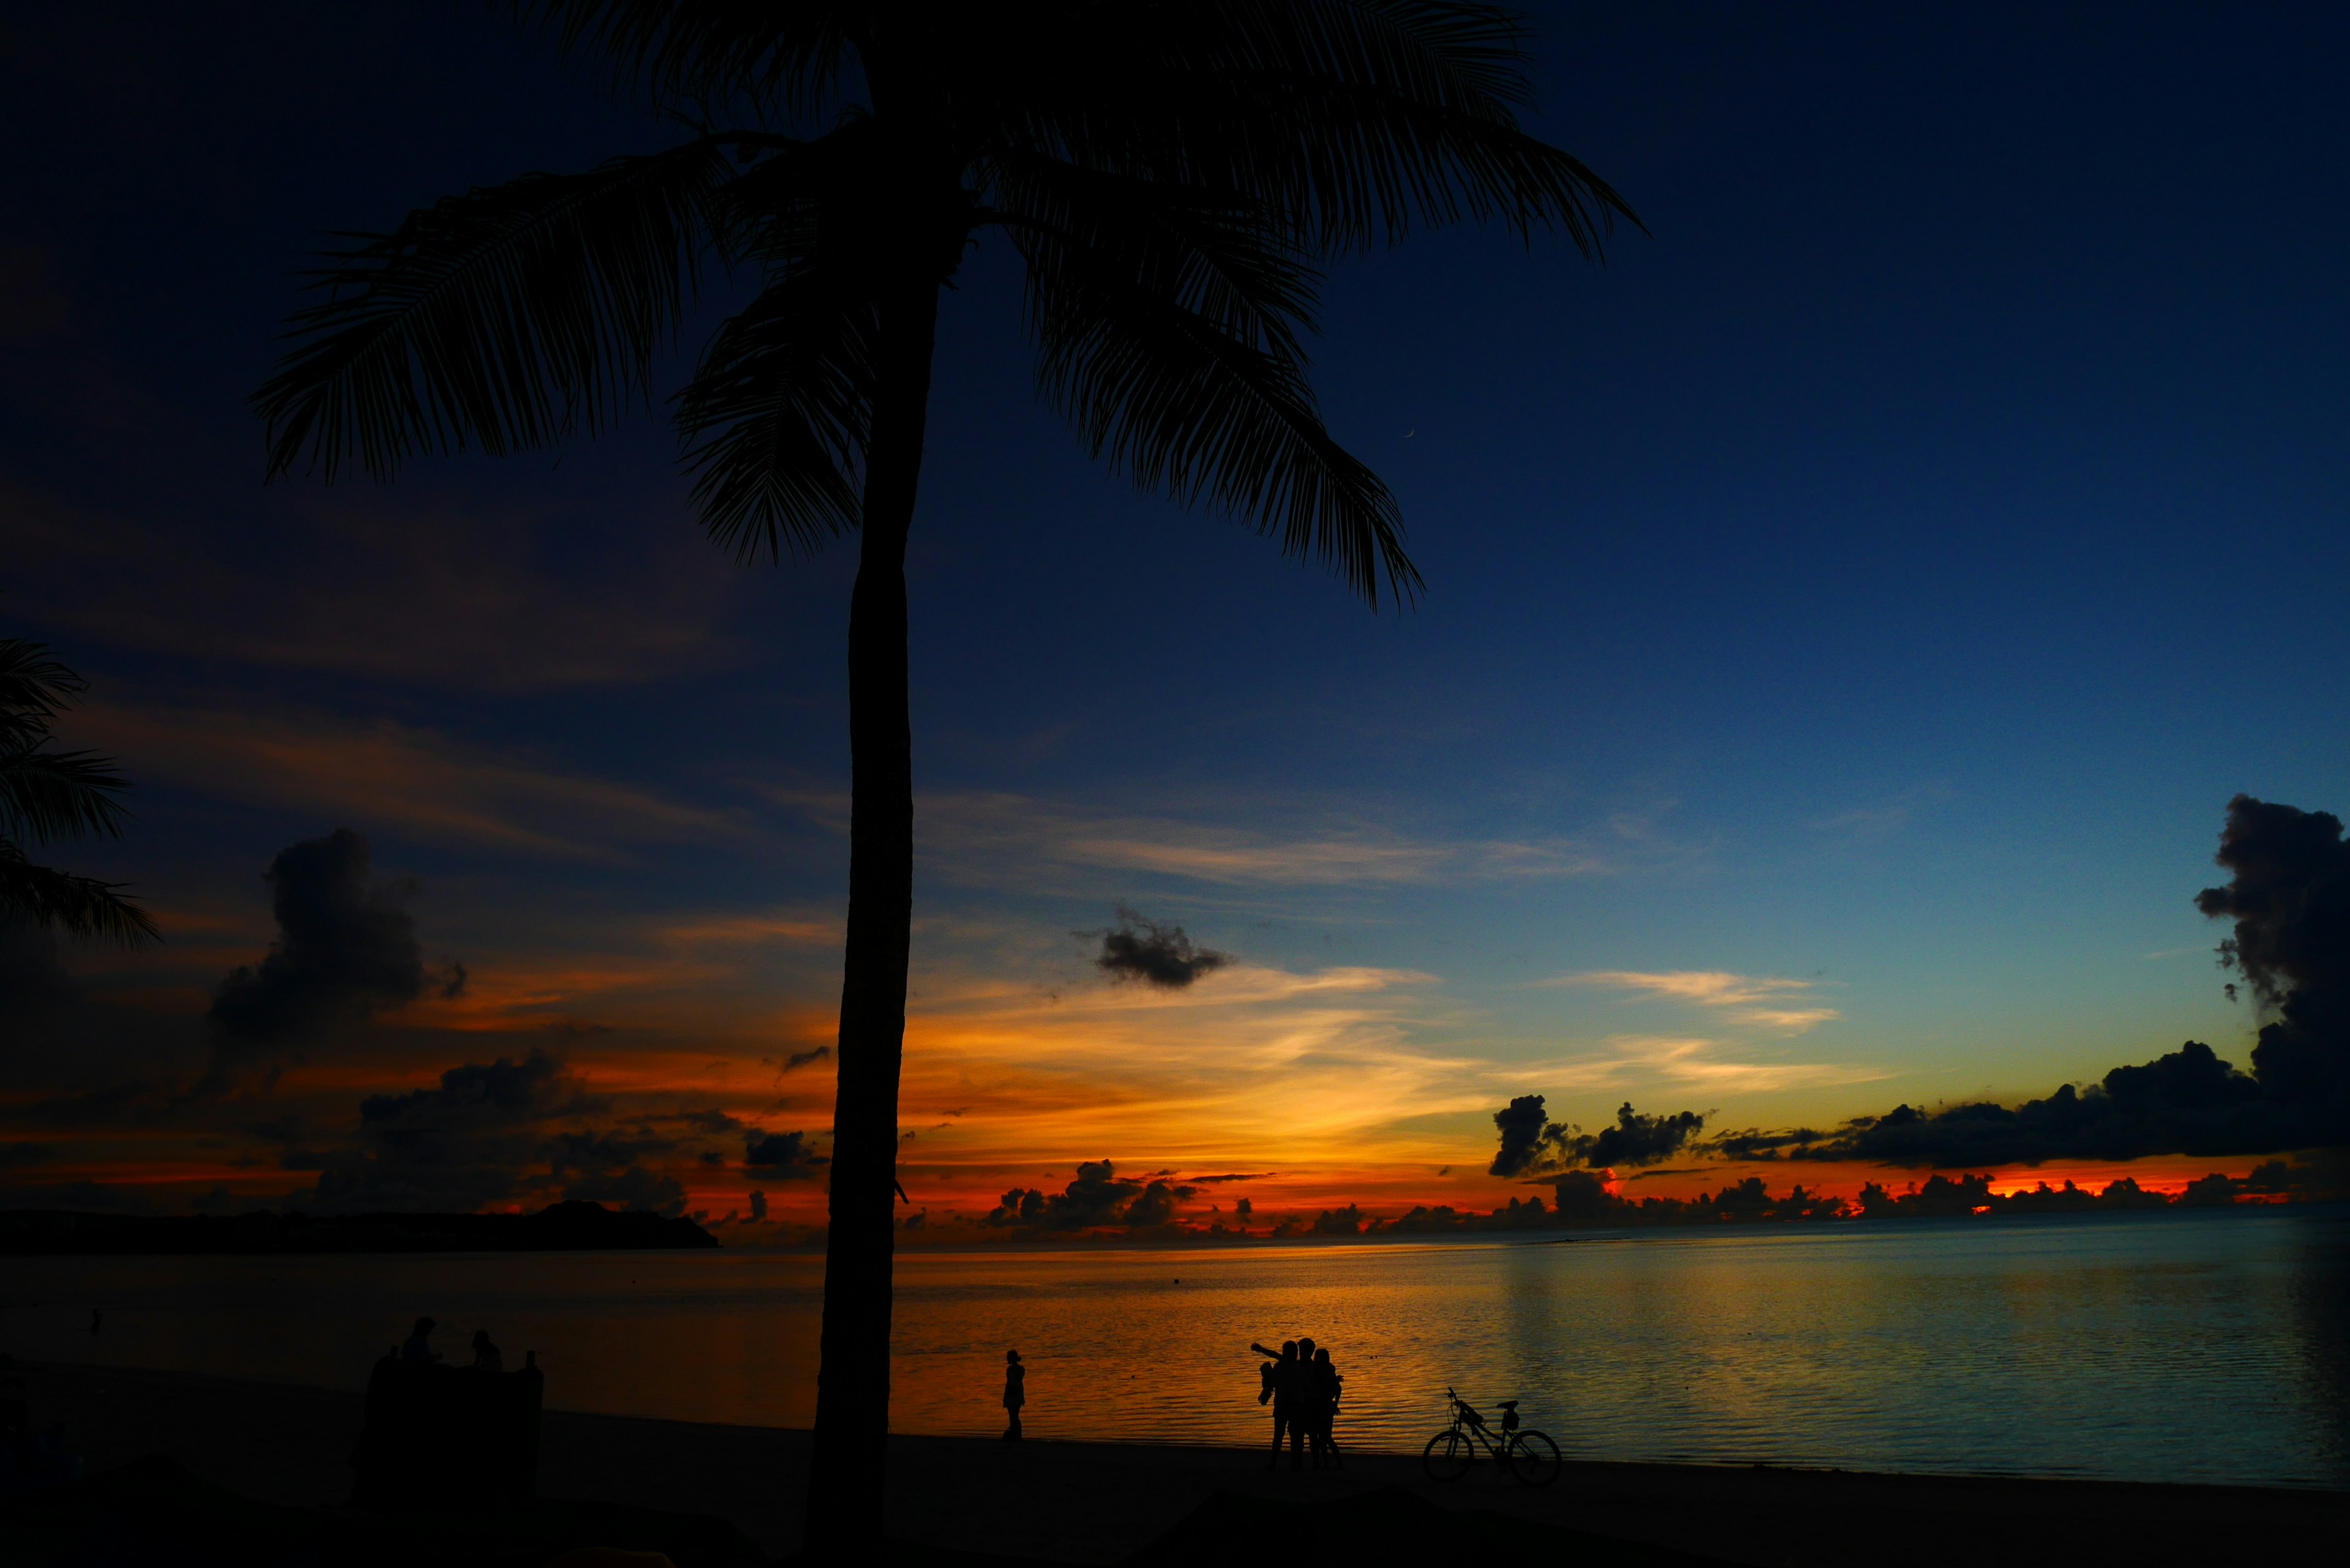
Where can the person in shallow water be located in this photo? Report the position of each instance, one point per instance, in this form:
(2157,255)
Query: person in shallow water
(418,1348)
(1016,1393)
(487,1356)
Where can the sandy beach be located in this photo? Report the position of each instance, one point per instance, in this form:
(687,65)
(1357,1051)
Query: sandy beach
(1100,1502)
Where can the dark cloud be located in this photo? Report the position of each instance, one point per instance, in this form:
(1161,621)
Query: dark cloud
(1096,1197)
(784,1157)
(502,1131)
(18,1156)
(2290,900)
(633,1188)
(476,1138)
(1534,1146)
(1530,1140)
(1636,1139)
(1153,1205)
(798,1059)
(345,950)
(1162,956)
(1230,1175)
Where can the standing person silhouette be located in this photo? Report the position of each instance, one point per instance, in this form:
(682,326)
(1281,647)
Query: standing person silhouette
(1281,1376)
(1328,1387)
(418,1348)
(1304,1403)
(1016,1393)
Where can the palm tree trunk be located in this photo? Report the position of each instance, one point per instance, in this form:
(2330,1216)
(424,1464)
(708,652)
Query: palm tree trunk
(852,1406)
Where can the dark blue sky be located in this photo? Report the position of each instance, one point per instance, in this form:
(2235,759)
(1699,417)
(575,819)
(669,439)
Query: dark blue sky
(1876,578)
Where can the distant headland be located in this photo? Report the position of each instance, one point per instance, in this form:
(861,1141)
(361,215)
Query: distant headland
(569,1227)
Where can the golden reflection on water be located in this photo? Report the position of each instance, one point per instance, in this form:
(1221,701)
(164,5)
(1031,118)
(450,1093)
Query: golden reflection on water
(2175,1347)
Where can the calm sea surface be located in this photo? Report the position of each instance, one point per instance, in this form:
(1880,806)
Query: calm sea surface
(2174,1347)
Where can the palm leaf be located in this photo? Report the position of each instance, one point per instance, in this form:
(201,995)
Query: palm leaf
(776,416)
(77,906)
(1162,331)
(1357,121)
(788,56)
(46,796)
(504,317)
(35,688)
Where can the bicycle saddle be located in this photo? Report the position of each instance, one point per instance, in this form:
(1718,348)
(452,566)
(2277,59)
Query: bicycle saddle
(1507,1405)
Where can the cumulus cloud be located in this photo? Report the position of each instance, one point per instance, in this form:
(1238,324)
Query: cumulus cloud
(2290,900)
(632,1188)
(1157,955)
(345,950)
(1534,1146)
(782,1156)
(468,1142)
(501,1131)
(1095,1198)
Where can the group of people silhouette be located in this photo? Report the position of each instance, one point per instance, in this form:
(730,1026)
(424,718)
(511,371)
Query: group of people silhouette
(1302,1385)
(418,1348)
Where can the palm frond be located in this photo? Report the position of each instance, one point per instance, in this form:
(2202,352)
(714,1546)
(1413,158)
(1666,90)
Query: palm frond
(789,58)
(504,317)
(1357,121)
(776,416)
(76,906)
(47,796)
(35,688)
(1151,339)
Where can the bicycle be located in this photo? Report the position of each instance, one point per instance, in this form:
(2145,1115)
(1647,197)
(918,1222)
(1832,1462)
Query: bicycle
(1526,1454)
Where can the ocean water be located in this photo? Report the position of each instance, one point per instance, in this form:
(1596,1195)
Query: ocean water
(2169,1347)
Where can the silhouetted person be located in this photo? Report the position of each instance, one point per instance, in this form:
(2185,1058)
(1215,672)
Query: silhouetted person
(418,1348)
(487,1357)
(1328,1387)
(1016,1393)
(1290,1394)
(96,1317)
(1304,1408)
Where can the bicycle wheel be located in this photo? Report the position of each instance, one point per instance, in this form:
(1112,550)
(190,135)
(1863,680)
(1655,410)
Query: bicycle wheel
(1532,1458)
(1448,1456)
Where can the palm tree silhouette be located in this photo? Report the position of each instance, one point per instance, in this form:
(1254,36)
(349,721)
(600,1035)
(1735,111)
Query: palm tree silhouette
(1173,173)
(46,796)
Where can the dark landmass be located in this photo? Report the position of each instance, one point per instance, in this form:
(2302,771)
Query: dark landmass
(686,1489)
(573,1227)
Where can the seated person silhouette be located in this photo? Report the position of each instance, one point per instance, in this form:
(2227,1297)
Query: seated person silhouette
(418,1350)
(487,1357)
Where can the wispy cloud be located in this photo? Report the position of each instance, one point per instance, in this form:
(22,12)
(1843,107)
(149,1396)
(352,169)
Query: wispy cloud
(423,784)
(1625,1062)
(992,837)
(1770,1001)
(1885,818)
(383,587)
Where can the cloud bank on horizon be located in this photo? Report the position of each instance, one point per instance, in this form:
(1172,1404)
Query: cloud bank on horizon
(346,966)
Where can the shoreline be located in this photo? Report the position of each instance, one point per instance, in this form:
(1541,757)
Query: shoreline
(1099,1501)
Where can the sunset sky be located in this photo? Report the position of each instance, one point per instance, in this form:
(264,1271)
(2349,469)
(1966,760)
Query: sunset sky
(1850,611)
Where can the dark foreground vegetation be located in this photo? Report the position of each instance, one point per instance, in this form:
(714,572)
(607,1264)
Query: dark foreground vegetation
(573,1227)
